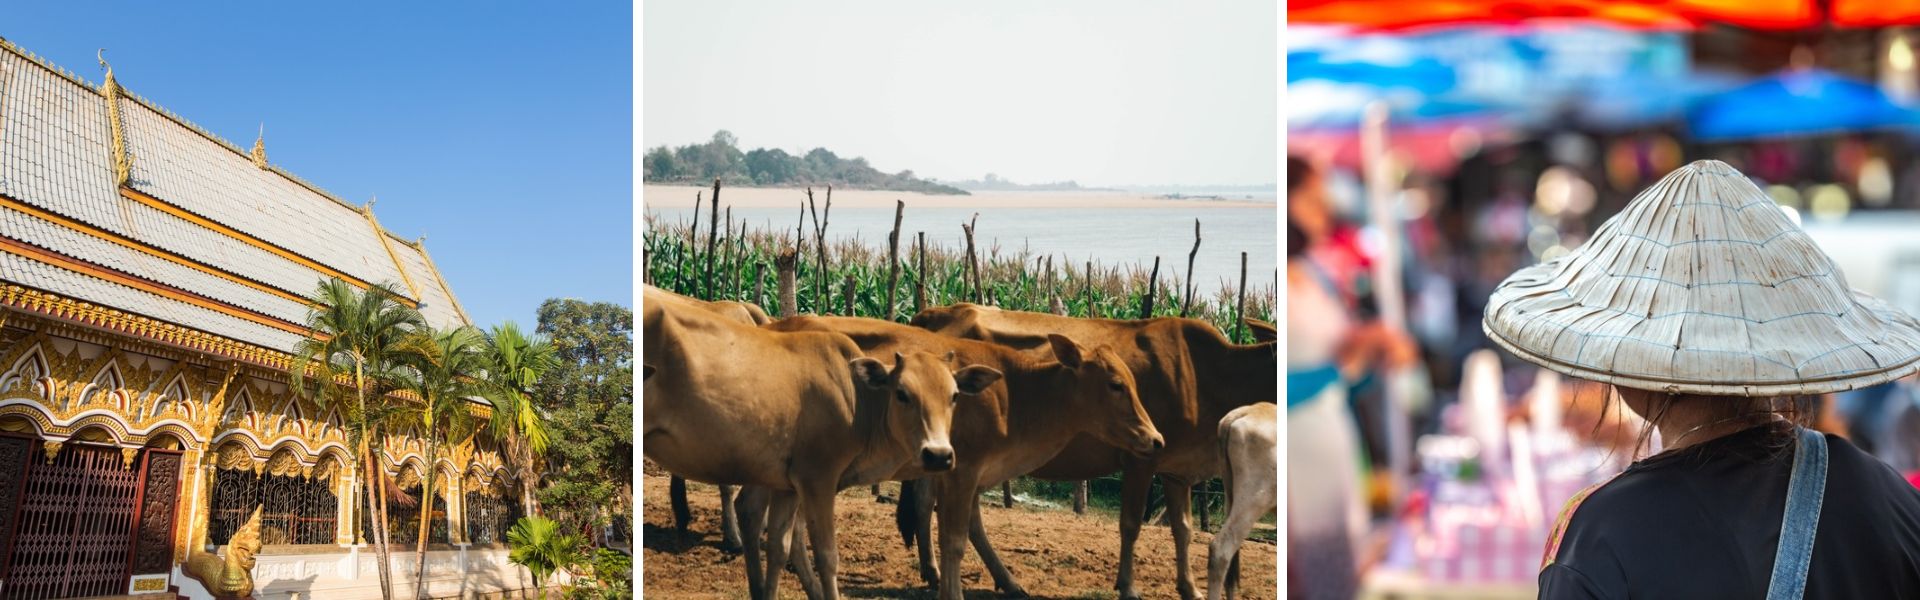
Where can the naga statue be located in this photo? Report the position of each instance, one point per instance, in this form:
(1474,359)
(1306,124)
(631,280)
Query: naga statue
(229,578)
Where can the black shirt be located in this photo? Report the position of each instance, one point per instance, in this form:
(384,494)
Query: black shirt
(1703,522)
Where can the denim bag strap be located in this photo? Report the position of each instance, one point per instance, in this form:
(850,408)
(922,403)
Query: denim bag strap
(1806,489)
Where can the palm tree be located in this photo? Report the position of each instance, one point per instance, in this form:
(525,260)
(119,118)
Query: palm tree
(538,545)
(445,369)
(515,362)
(354,336)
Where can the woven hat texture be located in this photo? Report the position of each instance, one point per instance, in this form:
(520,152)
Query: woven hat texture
(1702,285)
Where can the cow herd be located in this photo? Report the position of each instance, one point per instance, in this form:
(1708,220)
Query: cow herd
(964,398)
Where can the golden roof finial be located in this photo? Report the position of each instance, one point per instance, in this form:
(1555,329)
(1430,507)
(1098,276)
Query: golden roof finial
(122,159)
(368,208)
(260,148)
(101,55)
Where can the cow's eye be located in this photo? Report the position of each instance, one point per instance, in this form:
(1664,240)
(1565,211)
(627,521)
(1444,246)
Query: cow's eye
(1117,386)
(900,395)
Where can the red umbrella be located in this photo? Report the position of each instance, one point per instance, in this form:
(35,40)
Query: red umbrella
(1645,14)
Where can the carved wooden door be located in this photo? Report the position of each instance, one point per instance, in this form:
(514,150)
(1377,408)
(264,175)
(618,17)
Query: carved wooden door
(75,525)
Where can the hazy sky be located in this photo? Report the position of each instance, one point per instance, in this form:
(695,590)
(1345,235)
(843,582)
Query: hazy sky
(501,131)
(1103,92)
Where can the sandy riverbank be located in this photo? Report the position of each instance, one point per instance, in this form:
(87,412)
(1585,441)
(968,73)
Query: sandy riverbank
(680,196)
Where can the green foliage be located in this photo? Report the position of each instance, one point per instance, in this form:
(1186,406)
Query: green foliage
(719,158)
(537,543)
(1018,281)
(587,397)
(606,575)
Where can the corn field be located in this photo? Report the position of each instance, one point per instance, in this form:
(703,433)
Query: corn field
(740,264)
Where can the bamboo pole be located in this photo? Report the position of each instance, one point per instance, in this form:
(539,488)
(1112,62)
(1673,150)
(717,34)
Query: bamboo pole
(1086,281)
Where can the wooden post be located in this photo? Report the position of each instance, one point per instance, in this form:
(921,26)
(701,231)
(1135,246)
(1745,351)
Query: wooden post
(1080,497)
(713,239)
(893,255)
(1186,299)
(736,252)
(1153,285)
(786,264)
(1240,307)
(820,220)
(1006,493)
(920,280)
(973,261)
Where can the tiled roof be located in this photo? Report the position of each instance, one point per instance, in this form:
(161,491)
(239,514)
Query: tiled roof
(196,216)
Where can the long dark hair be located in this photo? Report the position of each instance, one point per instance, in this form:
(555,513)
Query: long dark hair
(1299,172)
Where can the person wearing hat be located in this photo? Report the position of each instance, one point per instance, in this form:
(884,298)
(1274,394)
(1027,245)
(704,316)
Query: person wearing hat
(1716,319)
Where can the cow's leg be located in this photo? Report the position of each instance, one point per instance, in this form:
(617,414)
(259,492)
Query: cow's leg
(729,520)
(682,513)
(923,522)
(753,519)
(1002,579)
(1134,484)
(1224,556)
(779,524)
(1179,492)
(797,560)
(957,505)
(817,499)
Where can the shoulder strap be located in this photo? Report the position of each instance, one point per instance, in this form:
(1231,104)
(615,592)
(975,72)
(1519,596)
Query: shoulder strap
(1806,492)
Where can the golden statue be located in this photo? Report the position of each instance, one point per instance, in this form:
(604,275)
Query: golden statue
(231,577)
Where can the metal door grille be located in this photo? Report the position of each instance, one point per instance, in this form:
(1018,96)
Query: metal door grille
(76,526)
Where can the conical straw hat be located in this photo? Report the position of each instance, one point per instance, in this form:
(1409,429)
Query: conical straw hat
(1701,285)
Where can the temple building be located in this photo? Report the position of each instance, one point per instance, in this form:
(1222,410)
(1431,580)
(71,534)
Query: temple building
(154,279)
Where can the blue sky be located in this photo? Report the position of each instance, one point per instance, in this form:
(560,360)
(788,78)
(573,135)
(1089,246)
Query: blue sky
(501,131)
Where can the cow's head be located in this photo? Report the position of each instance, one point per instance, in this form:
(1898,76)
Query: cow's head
(921,390)
(1103,389)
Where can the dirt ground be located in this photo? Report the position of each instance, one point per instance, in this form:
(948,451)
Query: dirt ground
(1054,553)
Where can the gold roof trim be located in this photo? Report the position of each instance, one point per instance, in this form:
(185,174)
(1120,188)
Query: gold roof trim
(381,233)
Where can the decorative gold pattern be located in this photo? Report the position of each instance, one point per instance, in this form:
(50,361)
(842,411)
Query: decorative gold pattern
(110,89)
(51,448)
(126,457)
(259,153)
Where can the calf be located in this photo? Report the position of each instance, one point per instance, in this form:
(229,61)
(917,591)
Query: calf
(801,414)
(1043,400)
(1188,375)
(1250,446)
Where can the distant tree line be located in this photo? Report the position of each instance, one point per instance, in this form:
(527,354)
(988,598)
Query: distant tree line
(995,183)
(721,159)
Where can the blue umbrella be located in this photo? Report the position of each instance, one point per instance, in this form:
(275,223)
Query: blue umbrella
(1796,102)
(1424,74)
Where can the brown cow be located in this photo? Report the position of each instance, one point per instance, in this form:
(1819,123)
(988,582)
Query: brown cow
(801,414)
(1043,400)
(743,312)
(1189,377)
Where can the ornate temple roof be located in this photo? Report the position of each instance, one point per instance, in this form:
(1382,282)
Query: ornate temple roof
(144,213)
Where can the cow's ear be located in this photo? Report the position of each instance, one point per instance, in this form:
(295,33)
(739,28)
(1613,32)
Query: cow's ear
(975,379)
(1263,331)
(869,372)
(1066,350)
(646,372)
